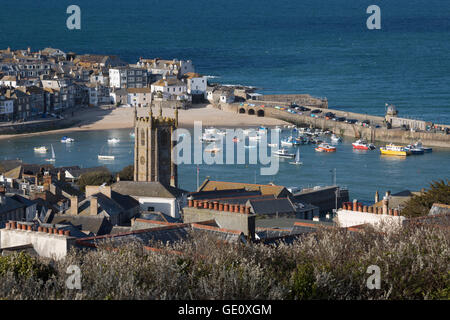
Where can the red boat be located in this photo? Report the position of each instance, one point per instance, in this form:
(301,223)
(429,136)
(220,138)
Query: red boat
(362,145)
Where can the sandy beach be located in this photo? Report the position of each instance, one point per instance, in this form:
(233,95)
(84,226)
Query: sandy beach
(122,118)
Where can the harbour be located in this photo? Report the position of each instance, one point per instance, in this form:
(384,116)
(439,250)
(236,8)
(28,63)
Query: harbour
(363,172)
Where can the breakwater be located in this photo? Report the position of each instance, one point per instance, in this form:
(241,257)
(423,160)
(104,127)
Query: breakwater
(355,131)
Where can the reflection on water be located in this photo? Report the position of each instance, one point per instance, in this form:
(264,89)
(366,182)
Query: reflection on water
(363,172)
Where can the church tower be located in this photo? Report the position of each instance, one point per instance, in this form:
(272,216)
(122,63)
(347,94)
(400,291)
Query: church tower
(153,149)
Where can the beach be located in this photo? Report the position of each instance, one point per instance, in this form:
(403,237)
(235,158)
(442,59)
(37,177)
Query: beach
(122,118)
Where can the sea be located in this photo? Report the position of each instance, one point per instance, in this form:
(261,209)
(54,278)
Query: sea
(319,47)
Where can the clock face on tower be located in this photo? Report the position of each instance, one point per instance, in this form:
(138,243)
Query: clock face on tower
(142,160)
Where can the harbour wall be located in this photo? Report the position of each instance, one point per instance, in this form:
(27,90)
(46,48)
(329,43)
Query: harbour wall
(353,131)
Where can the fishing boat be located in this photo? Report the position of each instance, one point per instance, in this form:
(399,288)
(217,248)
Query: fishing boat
(362,145)
(53,158)
(325,147)
(413,149)
(113,140)
(67,139)
(417,148)
(289,142)
(297,158)
(283,153)
(104,157)
(41,149)
(394,150)
(335,138)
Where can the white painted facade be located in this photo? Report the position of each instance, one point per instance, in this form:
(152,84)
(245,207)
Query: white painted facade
(197,85)
(45,244)
(348,218)
(168,206)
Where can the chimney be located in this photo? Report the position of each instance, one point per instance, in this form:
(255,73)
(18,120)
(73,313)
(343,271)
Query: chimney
(61,175)
(118,178)
(94,206)
(377,197)
(73,205)
(385,204)
(355,205)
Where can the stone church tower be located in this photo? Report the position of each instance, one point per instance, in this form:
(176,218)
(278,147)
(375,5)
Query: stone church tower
(153,149)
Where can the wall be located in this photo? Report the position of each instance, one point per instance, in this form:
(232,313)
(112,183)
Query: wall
(164,205)
(45,244)
(227,220)
(347,218)
(428,139)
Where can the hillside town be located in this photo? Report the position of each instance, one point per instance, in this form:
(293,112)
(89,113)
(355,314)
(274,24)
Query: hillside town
(50,82)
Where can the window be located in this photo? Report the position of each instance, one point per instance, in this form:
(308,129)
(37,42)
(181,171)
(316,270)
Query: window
(150,208)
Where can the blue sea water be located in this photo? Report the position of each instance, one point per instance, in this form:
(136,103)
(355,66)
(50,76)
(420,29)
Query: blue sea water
(321,47)
(362,172)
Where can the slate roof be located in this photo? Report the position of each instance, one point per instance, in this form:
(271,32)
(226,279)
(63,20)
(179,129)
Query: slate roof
(146,189)
(98,225)
(275,190)
(271,206)
(9,204)
(221,194)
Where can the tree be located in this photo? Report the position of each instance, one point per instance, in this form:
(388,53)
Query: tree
(94,178)
(127,173)
(439,192)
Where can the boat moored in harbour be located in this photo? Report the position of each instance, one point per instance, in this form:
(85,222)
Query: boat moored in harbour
(283,153)
(362,145)
(325,147)
(41,149)
(394,150)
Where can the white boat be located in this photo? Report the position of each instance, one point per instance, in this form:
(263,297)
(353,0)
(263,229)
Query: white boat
(283,153)
(362,145)
(53,158)
(289,142)
(335,138)
(297,158)
(103,157)
(41,149)
(67,139)
(113,140)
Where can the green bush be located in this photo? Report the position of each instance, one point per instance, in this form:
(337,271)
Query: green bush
(94,178)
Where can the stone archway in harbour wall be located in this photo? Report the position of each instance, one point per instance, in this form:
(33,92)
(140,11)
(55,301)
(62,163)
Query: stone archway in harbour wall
(251,112)
(260,113)
(241,110)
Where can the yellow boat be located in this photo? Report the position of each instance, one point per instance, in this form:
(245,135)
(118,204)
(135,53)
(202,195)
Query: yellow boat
(393,150)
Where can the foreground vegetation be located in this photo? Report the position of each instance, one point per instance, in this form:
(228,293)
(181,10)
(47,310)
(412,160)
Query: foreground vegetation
(331,264)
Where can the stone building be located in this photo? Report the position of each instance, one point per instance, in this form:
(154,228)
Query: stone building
(153,149)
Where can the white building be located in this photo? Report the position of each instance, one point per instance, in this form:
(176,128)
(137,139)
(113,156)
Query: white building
(8,81)
(139,97)
(196,84)
(172,88)
(127,77)
(166,68)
